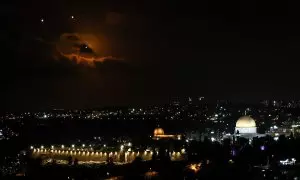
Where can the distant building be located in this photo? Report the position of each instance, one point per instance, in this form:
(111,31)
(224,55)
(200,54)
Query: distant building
(166,144)
(160,134)
(1,135)
(245,127)
(283,130)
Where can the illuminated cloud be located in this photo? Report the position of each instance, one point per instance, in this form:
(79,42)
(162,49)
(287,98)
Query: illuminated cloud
(82,48)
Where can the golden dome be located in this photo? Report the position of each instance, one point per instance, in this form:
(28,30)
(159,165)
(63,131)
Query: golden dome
(245,122)
(158,131)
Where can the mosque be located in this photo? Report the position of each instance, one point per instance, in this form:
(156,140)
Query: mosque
(165,144)
(245,127)
(159,134)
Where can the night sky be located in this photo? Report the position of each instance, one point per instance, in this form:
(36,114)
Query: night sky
(243,51)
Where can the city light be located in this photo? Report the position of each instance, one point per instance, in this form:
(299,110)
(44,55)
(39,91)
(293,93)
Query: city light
(150,174)
(233,152)
(291,161)
(117,145)
(194,167)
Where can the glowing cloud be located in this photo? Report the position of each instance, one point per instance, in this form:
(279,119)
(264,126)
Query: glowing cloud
(82,48)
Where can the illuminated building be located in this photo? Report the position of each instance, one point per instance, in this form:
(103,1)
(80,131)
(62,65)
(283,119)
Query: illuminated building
(91,156)
(288,162)
(276,131)
(245,125)
(246,128)
(1,135)
(160,134)
(165,145)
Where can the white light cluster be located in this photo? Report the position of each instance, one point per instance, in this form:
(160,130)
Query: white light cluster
(291,161)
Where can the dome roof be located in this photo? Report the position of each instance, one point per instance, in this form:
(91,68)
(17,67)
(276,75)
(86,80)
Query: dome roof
(158,131)
(245,122)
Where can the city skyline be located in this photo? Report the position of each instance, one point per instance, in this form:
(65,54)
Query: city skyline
(113,89)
